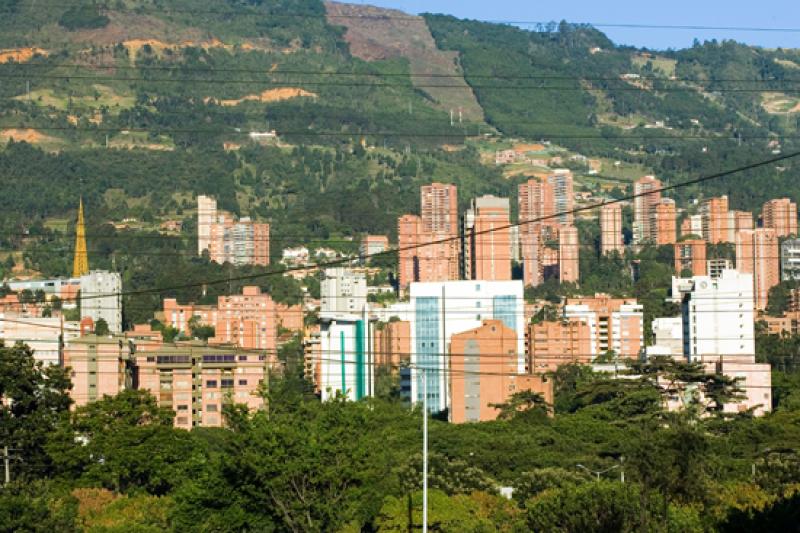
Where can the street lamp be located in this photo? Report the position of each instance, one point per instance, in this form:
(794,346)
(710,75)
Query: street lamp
(598,472)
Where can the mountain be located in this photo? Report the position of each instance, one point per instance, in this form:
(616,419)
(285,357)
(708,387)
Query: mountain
(158,100)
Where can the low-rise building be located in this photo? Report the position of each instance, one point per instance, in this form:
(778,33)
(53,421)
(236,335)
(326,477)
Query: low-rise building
(484,372)
(615,324)
(550,344)
(98,366)
(196,381)
(45,336)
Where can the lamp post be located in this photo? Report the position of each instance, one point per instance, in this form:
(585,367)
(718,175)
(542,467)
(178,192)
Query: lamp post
(424,451)
(598,472)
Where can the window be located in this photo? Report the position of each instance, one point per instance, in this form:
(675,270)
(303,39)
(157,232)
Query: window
(183,408)
(211,383)
(211,408)
(242,358)
(242,382)
(226,383)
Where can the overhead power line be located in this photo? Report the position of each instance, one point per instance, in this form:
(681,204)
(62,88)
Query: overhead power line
(409,85)
(409,74)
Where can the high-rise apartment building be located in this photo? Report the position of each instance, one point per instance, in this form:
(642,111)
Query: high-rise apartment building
(715,218)
(536,209)
(790,260)
(692,225)
(428,244)
(561,342)
(615,324)
(690,254)
(101,298)
(484,371)
(738,221)
(758,253)
(487,240)
(666,222)
(343,290)
(718,316)
(780,214)
(439,208)
(441,310)
(563,196)
(227,240)
(647,197)
(611,229)
(568,254)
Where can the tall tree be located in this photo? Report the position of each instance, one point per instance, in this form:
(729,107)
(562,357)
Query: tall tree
(34,399)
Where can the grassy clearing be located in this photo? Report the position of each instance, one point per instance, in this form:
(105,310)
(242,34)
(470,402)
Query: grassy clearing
(779,103)
(95,97)
(660,64)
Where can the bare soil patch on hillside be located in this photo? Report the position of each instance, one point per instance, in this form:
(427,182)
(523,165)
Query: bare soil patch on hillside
(375,33)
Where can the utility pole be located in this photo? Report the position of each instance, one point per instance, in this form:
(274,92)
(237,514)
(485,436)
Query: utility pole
(424,452)
(7,464)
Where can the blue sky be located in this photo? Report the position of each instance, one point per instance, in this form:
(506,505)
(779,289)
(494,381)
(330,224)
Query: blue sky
(730,13)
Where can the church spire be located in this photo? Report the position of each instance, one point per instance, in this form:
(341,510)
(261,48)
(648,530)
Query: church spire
(80,265)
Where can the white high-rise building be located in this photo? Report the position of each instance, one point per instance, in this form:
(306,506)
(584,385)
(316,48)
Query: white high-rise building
(441,309)
(206,217)
(343,290)
(717,314)
(717,321)
(101,297)
(347,362)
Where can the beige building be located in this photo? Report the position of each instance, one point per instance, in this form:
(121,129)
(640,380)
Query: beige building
(758,253)
(484,372)
(615,324)
(196,381)
(690,254)
(611,229)
(780,214)
(227,240)
(98,366)
(428,248)
(487,240)
(666,222)
(568,254)
(549,345)
(647,197)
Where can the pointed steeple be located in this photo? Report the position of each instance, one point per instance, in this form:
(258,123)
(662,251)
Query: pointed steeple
(80,266)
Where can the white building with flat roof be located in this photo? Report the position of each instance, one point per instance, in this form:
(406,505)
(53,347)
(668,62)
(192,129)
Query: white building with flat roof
(44,335)
(101,298)
(346,358)
(717,314)
(343,290)
(441,309)
(717,330)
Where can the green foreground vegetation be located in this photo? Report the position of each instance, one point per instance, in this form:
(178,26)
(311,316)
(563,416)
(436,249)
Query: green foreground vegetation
(119,465)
